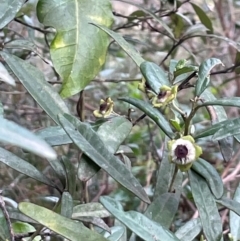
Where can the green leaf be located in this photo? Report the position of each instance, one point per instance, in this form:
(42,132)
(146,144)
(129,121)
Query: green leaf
(5,76)
(219,115)
(233,101)
(24,44)
(230,204)
(87,168)
(14,134)
(163,209)
(196,28)
(90,210)
(91,145)
(154,75)
(205,20)
(21,227)
(211,176)
(184,70)
(4,229)
(210,131)
(164,176)
(54,135)
(153,113)
(144,227)
(235,218)
(68,228)
(231,127)
(112,133)
(66,204)
(78,50)
(128,48)
(189,230)
(33,80)
(9,9)
(206,205)
(15,214)
(22,166)
(58,168)
(95,221)
(116,233)
(70,174)
(203,74)
(178,22)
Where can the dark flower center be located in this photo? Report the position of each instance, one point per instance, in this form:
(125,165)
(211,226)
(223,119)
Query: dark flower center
(181,152)
(162,94)
(103,107)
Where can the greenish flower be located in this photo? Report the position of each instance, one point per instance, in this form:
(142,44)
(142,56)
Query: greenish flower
(184,152)
(166,96)
(105,108)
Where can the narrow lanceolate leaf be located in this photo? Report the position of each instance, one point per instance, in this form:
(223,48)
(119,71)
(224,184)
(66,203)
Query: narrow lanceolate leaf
(193,29)
(163,209)
(218,114)
(4,227)
(117,233)
(128,48)
(154,75)
(230,204)
(232,127)
(112,133)
(164,176)
(234,101)
(209,173)
(205,20)
(219,126)
(235,218)
(206,205)
(91,145)
(153,113)
(70,175)
(203,74)
(66,204)
(22,166)
(189,230)
(90,210)
(9,9)
(78,50)
(67,228)
(54,135)
(33,80)
(141,225)
(14,134)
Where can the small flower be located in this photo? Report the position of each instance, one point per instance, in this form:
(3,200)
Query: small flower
(166,95)
(105,108)
(184,152)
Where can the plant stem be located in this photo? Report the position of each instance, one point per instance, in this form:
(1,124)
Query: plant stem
(80,106)
(189,118)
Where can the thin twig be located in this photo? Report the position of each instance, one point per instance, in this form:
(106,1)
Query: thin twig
(44,31)
(139,119)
